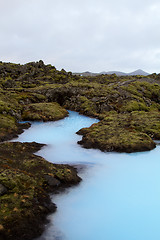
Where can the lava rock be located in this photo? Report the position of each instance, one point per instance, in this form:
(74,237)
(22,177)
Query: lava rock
(3,190)
(51,181)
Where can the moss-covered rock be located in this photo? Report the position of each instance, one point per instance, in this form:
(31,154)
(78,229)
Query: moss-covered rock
(123,132)
(27,179)
(44,111)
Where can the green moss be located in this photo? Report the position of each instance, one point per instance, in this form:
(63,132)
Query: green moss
(135,106)
(44,111)
(7,122)
(150,90)
(123,132)
(4,107)
(87,106)
(132,88)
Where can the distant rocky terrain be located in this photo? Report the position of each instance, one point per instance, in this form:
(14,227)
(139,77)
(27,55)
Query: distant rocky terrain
(127,106)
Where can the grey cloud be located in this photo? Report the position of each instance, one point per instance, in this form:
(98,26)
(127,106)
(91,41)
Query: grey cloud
(82,35)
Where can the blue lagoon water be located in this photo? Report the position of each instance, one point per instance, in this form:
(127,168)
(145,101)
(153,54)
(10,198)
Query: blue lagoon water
(119,197)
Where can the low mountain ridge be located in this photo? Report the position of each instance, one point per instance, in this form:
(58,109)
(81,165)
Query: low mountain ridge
(118,73)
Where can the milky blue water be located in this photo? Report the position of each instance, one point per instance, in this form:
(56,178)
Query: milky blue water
(119,197)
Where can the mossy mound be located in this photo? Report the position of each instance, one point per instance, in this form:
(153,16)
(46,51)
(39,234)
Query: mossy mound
(44,111)
(28,179)
(123,132)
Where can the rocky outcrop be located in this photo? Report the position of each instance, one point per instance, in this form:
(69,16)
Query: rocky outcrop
(25,183)
(123,133)
(44,111)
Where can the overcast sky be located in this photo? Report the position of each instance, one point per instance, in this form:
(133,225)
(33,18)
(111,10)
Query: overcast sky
(81,35)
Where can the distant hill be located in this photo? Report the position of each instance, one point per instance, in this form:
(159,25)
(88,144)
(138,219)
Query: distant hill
(137,72)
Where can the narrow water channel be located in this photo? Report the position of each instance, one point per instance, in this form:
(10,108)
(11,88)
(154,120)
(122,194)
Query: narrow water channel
(119,197)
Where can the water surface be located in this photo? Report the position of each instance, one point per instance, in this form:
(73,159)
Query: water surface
(119,197)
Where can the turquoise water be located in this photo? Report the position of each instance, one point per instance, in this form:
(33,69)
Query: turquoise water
(119,197)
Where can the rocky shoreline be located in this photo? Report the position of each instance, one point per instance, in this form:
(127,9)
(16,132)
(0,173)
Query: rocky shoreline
(14,134)
(26,180)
